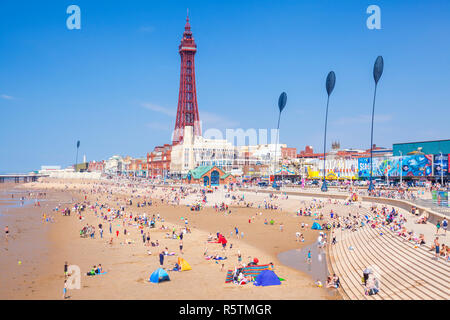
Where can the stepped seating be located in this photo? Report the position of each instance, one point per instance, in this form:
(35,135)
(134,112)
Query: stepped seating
(406,272)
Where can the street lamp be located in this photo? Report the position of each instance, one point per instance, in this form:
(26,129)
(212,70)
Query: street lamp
(377,72)
(401,167)
(76,159)
(331,81)
(442,170)
(281,104)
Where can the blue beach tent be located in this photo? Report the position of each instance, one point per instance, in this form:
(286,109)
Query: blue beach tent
(159,275)
(267,278)
(316,226)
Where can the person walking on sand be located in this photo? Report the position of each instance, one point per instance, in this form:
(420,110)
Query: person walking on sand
(308,259)
(181,246)
(65,290)
(66,269)
(161,258)
(6,233)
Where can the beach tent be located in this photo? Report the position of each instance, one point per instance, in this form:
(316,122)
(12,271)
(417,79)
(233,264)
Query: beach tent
(267,278)
(159,275)
(316,226)
(183,264)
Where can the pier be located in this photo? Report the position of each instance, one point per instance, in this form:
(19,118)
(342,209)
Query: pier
(21,177)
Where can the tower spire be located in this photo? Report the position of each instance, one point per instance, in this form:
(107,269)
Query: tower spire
(187,111)
(188,25)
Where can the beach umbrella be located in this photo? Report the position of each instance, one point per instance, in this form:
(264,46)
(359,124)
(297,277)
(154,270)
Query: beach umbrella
(377,72)
(281,105)
(329,85)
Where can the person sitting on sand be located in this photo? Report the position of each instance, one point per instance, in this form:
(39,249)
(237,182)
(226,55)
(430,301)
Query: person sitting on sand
(92,272)
(329,282)
(99,269)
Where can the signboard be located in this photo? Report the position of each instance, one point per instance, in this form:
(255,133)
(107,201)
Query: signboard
(440,165)
(417,165)
(409,166)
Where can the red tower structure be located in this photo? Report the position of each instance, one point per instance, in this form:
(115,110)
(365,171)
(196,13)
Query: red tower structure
(187,111)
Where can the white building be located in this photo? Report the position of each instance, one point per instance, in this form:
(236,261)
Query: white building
(197,151)
(114,165)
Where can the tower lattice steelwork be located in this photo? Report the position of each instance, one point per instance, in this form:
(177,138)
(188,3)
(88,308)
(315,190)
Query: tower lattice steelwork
(187,111)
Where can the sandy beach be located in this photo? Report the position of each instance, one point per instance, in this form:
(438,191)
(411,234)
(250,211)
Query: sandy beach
(128,266)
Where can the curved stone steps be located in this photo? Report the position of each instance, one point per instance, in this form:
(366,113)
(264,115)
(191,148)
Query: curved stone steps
(397,279)
(390,286)
(424,251)
(420,276)
(349,282)
(438,268)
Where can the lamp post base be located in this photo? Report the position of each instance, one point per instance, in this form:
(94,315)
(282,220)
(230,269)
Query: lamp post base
(324,186)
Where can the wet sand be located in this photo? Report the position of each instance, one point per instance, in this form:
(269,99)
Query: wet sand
(25,254)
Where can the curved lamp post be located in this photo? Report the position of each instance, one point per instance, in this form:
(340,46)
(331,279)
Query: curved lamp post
(377,72)
(76,159)
(281,104)
(331,81)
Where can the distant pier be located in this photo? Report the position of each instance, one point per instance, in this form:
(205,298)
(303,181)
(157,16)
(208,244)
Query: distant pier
(21,177)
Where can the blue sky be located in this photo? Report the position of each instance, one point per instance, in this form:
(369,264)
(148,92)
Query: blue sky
(114,83)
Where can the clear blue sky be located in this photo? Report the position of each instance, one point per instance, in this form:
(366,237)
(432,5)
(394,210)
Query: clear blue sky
(114,83)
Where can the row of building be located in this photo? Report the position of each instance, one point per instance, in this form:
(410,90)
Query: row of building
(410,160)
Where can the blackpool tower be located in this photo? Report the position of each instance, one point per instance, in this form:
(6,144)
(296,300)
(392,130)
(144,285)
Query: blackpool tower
(187,111)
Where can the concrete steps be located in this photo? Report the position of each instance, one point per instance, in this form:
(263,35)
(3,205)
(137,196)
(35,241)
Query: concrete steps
(390,288)
(430,282)
(408,273)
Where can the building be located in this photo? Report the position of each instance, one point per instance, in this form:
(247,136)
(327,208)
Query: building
(158,161)
(195,151)
(137,167)
(114,165)
(424,147)
(208,176)
(96,166)
(187,111)
(288,153)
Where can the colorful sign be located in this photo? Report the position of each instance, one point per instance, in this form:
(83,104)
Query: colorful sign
(417,165)
(440,165)
(411,166)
